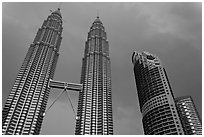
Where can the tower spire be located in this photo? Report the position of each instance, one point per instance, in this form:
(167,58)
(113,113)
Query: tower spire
(59,6)
(97,13)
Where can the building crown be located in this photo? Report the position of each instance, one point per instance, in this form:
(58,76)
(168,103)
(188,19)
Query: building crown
(97,20)
(57,12)
(147,58)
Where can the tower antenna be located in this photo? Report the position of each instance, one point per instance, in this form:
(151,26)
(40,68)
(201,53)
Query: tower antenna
(97,13)
(59,6)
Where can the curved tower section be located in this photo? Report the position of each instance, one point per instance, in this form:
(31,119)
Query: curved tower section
(24,108)
(190,119)
(156,99)
(94,115)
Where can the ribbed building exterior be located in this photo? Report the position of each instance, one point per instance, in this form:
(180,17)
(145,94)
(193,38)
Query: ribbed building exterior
(24,108)
(94,114)
(189,116)
(155,95)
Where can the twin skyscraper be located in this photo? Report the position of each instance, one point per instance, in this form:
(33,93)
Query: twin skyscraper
(24,109)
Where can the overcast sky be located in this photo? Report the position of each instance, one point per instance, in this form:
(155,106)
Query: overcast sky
(172,31)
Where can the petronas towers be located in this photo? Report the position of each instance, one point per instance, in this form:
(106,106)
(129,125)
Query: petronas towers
(24,109)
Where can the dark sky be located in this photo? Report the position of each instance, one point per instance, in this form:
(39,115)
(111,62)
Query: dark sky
(172,31)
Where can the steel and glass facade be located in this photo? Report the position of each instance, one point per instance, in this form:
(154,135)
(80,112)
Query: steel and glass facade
(94,114)
(155,96)
(189,116)
(24,108)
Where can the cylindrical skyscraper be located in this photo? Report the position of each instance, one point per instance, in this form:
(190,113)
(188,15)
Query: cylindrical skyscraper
(24,108)
(155,96)
(189,116)
(94,115)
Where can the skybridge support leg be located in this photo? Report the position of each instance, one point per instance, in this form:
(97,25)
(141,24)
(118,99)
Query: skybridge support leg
(65,86)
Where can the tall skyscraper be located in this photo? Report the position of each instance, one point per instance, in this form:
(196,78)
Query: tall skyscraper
(24,108)
(189,116)
(94,115)
(155,96)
